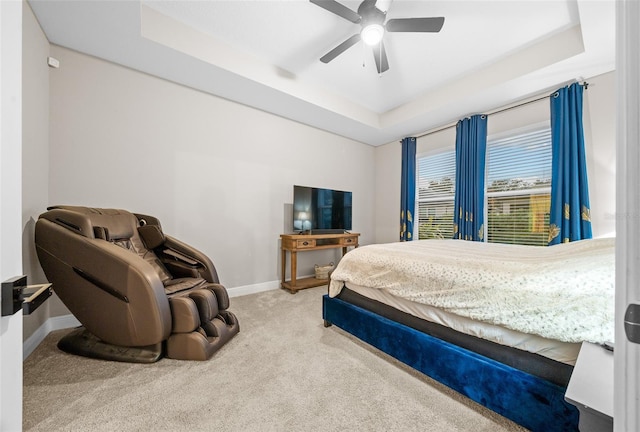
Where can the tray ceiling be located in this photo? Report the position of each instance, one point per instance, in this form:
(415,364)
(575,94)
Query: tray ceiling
(265,54)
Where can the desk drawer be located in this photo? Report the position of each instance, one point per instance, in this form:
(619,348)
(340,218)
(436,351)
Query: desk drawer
(350,241)
(306,243)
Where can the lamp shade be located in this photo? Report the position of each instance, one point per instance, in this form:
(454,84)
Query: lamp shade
(372,34)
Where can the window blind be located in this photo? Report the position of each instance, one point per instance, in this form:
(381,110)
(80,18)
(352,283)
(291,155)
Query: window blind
(436,189)
(519,188)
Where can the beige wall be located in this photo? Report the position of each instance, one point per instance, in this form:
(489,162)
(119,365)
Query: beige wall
(35,158)
(388,167)
(600,141)
(219,175)
(599,128)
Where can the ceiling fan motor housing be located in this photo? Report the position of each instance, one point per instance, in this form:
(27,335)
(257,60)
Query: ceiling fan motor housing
(370,14)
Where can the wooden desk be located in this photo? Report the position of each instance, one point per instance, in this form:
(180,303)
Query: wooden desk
(294,243)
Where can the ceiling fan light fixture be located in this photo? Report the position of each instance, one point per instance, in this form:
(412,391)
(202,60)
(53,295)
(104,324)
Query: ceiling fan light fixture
(372,34)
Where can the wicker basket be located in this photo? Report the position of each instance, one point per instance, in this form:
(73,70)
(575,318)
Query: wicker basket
(322,272)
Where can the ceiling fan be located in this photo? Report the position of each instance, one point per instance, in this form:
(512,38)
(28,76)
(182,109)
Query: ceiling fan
(372,21)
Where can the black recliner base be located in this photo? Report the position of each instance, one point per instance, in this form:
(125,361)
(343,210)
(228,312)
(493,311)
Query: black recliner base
(81,342)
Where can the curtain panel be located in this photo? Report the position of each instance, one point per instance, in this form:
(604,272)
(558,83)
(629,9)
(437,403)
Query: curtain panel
(471,146)
(570,214)
(407,188)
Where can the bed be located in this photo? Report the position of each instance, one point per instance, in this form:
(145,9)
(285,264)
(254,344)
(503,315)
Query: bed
(501,324)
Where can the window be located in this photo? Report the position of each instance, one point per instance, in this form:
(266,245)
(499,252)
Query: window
(518,189)
(436,189)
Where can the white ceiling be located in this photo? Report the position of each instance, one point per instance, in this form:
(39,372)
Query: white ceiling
(265,54)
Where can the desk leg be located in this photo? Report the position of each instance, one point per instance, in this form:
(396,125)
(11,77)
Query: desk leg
(344,250)
(294,271)
(283,266)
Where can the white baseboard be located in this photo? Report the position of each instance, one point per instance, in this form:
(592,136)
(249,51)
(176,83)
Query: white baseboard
(52,324)
(69,321)
(253,289)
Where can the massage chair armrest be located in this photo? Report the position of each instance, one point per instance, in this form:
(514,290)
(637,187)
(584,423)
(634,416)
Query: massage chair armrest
(125,272)
(181,259)
(178,267)
(205,267)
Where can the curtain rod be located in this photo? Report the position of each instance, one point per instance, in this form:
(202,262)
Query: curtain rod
(586,86)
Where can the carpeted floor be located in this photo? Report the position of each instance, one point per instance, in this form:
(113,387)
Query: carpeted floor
(283,372)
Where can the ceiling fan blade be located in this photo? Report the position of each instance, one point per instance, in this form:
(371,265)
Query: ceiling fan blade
(340,48)
(432,25)
(380,55)
(338,9)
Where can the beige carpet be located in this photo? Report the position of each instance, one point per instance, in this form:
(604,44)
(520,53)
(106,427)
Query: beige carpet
(283,372)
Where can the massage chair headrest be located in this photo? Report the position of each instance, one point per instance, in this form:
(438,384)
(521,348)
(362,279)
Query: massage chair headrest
(107,224)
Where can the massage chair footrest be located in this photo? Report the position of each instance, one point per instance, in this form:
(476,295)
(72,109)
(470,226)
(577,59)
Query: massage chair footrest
(80,342)
(201,344)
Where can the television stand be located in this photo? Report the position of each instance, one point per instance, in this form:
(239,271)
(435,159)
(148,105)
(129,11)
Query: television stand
(294,243)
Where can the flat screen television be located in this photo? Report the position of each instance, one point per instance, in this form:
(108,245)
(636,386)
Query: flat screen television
(318,211)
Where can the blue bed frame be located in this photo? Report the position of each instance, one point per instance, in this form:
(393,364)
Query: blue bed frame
(530,401)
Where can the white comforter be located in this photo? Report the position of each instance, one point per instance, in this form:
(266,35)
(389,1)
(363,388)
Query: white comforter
(563,292)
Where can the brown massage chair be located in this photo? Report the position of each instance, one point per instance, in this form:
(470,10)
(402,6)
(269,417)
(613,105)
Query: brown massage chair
(138,293)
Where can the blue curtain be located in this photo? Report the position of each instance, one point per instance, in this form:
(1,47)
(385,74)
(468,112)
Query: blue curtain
(407,188)
(471,146)
(570,215)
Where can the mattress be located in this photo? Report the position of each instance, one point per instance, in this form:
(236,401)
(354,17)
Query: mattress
(563,352)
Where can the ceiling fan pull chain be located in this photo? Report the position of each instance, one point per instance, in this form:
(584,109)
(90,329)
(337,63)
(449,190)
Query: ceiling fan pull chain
(364,54)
